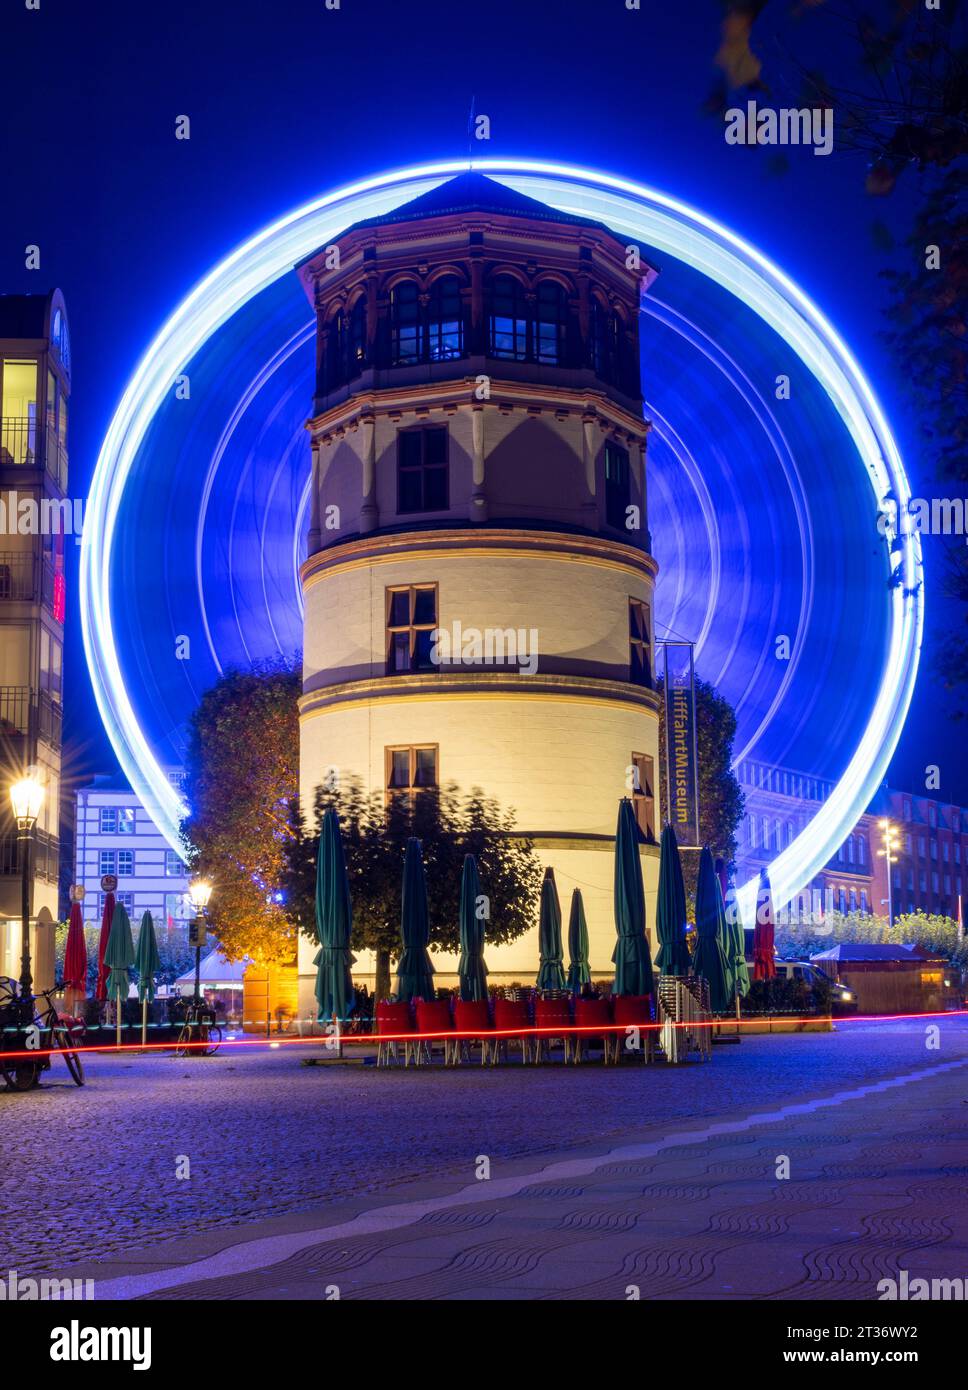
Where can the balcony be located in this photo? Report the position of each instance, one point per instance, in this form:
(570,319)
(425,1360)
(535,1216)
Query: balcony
(26,715)
(18,576)
(25,443)
(44,856)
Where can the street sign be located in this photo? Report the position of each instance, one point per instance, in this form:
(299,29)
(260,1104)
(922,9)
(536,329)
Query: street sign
(197,932)
(108,883)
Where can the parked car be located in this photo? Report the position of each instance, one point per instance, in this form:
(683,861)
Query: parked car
(842,1000)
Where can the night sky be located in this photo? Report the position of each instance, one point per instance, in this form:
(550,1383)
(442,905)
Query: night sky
(289,99)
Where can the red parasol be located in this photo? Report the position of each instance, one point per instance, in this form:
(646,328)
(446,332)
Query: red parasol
(764,966)
(75,954)
(101,989)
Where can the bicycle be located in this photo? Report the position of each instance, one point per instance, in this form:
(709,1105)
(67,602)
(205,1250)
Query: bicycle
(200,1034)
(22,1075)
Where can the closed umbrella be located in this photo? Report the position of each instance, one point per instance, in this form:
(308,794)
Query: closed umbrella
(633,962)
(107,917)
(709,959)
(75,960)
(147,962)
(670,908)
(415,973)
(471,970)
(334,923)
(578,971)
(551,969)
(119,957)
(764,966)
(741,972)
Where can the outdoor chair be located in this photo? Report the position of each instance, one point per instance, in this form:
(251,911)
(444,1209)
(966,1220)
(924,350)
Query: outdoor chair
(551,1013)
(393,1019)
(633,1010)
(472,1016)
(511,1014)
(433,1016)
(588,1014)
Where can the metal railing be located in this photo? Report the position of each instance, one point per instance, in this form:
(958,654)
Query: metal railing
(26,443)
(18,575)
(26,714)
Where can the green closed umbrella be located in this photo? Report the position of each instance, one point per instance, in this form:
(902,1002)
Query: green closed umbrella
(737,937)
(633,962)
(415,973)
(578,971)
(119,957)
(146,962)
(551,969)
(670,908)
(710,959)
(471,969)
(334,922)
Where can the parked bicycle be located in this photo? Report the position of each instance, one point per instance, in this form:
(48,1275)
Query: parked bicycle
(56,1034)
(200,1035)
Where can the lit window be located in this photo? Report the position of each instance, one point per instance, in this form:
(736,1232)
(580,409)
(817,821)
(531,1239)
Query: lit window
(18,425)
(508,319)
(409,770)
(422,471)
(411,620)
(445,329)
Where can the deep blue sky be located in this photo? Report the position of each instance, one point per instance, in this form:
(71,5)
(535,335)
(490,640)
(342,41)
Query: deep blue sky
(288,99)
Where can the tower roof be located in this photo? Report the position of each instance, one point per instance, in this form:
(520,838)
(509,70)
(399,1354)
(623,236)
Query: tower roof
(474,192)
(24,315)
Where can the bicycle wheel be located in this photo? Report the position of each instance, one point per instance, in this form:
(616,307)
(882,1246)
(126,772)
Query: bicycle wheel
(184,1038)
(62,1040)
(213,1038)
(22,1075)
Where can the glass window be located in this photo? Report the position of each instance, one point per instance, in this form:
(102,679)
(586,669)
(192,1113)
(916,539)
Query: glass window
(125,863)
(410,770)
(640,648)
(643,794)
(508,319)
(108,860)
(356,338)
(411,621)
(108,825)
(552,323)
(177,909)
(445,329)
(422,474)
(126,820)
(174,868)
(617,485)
(405,336)
(18,430)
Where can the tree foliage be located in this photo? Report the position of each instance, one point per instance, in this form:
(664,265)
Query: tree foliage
(449,825)
(241,777)
(932,932)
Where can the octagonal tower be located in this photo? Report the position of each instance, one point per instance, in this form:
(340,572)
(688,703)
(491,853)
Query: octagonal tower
(479,585)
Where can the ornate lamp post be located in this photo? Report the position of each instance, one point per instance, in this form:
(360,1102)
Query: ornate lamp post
(199,892)
(27,797)
(890,837)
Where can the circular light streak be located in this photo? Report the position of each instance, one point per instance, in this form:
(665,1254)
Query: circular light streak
(646,216)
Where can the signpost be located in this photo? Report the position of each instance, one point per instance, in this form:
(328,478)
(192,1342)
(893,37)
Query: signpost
(682,767)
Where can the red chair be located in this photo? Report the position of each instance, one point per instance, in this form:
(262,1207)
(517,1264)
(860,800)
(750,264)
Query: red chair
(473,1018)
(634,1011)
(393,1019)
(551,1013)
(433,1016)
(591,1013)
(510,1015)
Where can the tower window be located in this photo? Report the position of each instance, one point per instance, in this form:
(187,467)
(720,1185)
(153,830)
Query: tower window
(411,620)
(643,794)
(617,485)
(640,647)
(445,335)
(405,344)
(508,319)
(356,338)
(552,323)
(422,470)
(410,769)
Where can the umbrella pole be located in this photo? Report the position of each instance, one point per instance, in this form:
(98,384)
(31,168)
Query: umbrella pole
(144,1020)
(117,1017)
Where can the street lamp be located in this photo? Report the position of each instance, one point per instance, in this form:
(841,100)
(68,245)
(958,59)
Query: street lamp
(199,892)
(890,838)
(27,797)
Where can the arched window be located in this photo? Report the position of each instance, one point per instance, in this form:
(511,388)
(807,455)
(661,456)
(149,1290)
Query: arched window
(405,336)
(508,319)
(356,338)
(552,324)
(606,329)
(445,327)
(335,349)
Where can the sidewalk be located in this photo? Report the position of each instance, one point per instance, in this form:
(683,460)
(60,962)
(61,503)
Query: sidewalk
(877,1177)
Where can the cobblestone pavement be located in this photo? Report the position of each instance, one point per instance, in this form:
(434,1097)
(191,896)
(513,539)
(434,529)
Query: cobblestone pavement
(91,1174)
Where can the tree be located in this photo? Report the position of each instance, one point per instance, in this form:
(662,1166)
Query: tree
(241,777)
(721,798)
(449,825)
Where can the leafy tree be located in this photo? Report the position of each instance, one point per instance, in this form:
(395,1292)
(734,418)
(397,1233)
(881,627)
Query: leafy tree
(934,933)
(721,798)
(241,777)
(449,825)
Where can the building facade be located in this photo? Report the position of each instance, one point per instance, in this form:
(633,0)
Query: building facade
(113,834)
(479,585)
(36,522)
(929,867)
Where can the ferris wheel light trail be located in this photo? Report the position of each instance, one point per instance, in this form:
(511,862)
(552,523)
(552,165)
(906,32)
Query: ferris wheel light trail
(646,215)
